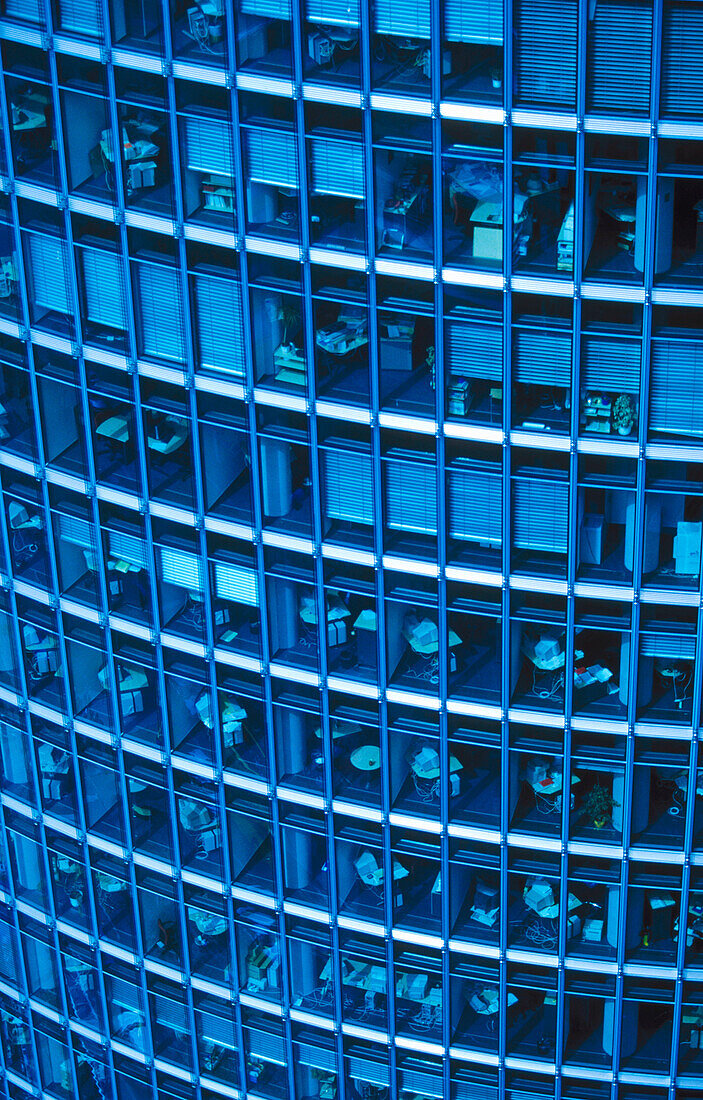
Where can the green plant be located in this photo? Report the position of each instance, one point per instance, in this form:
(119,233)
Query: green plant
(624,412)
(290,315)
(598,805)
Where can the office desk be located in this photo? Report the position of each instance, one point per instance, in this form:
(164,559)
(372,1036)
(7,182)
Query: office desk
(24,118)
(115,428)
(168,436)
(486,1002)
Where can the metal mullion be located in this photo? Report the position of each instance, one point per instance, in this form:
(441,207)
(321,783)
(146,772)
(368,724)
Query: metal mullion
(38,819)
(101,564)
(314,469)
(440,484)
(23,987)
(506,556)
(572,542)
(258,521)
(378,526)
(258,525)
(202,541)
(637,581)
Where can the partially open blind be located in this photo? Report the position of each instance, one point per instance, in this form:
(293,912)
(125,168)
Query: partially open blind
(682,59)
(542,357)
(540,515)
(545,51)
(75,529)
(343,13)
(474,497)
(474,350)
(160,309)
(271,156)
(347,480)
(105,301)
(673,646)
(478,21)
(47,257)
(219,327)
(30,10)
(676,387)
(127,548)
(80,16)
(337,167)
(411,496)
(620,56)
(611,364)
(407,18)
(208,145)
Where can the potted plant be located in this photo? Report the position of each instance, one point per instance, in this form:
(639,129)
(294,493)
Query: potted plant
(624,414)
(598,805)
(290,315)
(497,78)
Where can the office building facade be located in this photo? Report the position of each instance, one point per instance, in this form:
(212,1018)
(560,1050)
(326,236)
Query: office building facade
(350,549)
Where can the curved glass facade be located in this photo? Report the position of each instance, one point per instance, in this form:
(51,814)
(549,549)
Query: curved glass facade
(350,549)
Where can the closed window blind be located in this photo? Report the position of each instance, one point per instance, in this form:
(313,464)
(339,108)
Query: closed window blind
(271,157)
(542,357)
(407,18)
(49,270)
(479,21)
(160,311)
(474,498)
(676,387)
(365,1069)
(236,583)
(217,1029)
(81,16)
(219,326)
(343,13)
(105,302)
(411,496)
(540,515)
(31,10)
(619,56)
(169,1013)
(347,480)
(75,529)
(546,33)
(208,145)
(268,1047)
(269,9)
(337,167)
(181,568)
(427,1084)
(474,350)
(611,364)
(682,59)
(317,1057)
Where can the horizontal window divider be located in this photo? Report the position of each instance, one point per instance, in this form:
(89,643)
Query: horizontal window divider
(142,62)
(251,82)
(201,74)
(356,809)
(185,645)
(263,246)
(352,261)
(253,897)
(246,783)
